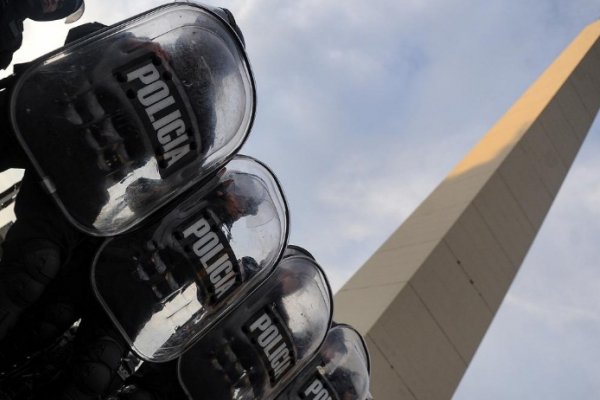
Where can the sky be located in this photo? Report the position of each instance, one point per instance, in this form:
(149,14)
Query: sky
(365,106)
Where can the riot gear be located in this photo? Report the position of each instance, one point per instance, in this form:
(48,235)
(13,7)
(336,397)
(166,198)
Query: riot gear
(259,347)
(34,250)
(107,130)
(14,12)
(166,97)
(339,371)
(149,110)
(191,264)
(51,10)
(293,250)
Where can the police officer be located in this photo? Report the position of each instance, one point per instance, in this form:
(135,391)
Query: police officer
(43,270)
(12,15)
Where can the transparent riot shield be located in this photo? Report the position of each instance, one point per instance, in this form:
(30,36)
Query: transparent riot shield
(119,123)
(258,348)
(166,283)
(340,371)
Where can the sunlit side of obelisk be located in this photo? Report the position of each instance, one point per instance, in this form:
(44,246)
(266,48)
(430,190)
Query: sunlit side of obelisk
(426,297)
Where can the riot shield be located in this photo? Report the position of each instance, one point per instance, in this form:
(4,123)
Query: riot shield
(168,282)
(135,114)
(340,371)
(259,347)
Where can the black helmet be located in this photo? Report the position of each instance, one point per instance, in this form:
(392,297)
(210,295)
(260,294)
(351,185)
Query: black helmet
(51,10)
(228,17)
(293,250)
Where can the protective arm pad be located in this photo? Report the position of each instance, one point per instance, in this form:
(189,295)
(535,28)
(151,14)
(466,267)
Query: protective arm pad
(34,250)
(24,275)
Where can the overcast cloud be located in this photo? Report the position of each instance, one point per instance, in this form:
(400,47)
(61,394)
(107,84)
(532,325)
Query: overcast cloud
(364,106)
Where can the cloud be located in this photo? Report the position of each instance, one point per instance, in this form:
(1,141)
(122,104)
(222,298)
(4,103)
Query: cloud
(557,316)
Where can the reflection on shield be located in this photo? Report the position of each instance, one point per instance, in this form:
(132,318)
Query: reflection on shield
(165,285)
(259,346)
(145,109)
(340,370)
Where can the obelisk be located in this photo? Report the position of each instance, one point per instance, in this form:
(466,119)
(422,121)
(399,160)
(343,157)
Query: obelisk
(426,297)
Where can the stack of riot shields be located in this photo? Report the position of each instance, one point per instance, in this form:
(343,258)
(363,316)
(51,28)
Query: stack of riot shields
(136,139)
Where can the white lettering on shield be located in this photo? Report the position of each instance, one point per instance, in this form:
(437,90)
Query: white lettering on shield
(272,344)
(316,391)
(212,256)
(170,129)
